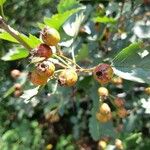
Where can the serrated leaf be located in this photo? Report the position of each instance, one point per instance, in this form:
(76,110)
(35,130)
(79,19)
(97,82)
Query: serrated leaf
(104,19)
(2,2)
(65,5)
(133,63)
(15,54)
(8,37)
(56,21)
(72,25)
(83,53)
(32,41)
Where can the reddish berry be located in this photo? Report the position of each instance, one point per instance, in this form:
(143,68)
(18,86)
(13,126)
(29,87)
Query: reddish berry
(15,73)
(68,77)
(44,50)
(103,73)
(122,112)
(103,92)
(119,102)
(104,109)
(46,69)
(118,144)
(17,93)
(50,36)
(17,86)
(37,79)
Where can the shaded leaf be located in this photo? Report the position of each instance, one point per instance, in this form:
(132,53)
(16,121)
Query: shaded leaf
(65,5)
(83,53)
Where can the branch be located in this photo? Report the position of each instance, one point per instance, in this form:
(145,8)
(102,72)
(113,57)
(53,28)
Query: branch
(13,33)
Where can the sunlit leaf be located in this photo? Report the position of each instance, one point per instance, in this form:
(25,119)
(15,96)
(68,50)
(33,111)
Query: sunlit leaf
(133,63)
(8,37)
(56,21)
(2,2)
(15,54)
(104,19)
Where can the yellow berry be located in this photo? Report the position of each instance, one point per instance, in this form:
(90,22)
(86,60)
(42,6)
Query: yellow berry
(102,144)
(68,77)
(118,144)
(50,36)
(147,90)
(104,109)
(103,92)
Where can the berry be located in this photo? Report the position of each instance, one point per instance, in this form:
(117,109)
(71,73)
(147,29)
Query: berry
(119,102)
(17,93)
(117,80)
(147,90)
(103,118)
(44,50)
(17,86)
(37,79)
(103,73)
(102,144)
(122,112)
(50,36)
(46,68)
(118,144)
(68,77)
(15,73)
(49,147)
(103,92)
(104,109)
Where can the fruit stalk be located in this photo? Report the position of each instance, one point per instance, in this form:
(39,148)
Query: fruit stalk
(13,33)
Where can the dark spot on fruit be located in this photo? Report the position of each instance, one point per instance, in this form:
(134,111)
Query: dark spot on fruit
(99,73)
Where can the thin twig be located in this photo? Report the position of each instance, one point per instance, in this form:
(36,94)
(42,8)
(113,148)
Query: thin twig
(13,33)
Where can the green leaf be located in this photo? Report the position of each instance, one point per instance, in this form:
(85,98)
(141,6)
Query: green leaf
(8,37)
(133,63)
(83,53)
(56,21)
(15,54)
(65,5)
(32,41)
(2,2)
(104,19)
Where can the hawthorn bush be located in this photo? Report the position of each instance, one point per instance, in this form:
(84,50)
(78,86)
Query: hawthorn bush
(75,74)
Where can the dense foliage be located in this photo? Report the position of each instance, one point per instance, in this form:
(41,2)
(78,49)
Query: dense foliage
(54,116)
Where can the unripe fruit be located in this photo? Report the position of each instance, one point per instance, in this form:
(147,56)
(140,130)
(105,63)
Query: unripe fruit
(46,69)
(15,73)
(49,147)
(102,144)
(68,77)
(104,109)
(147,90)
(119,102)
(17,86)
(50,36)
(118,144)
(117,80)
(103,92)
(122,112)
(103,73)
(37,79)
(44,50)
(17,93)
(103,118)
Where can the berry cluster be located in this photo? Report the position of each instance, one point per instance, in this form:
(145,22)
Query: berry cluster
(46,68)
